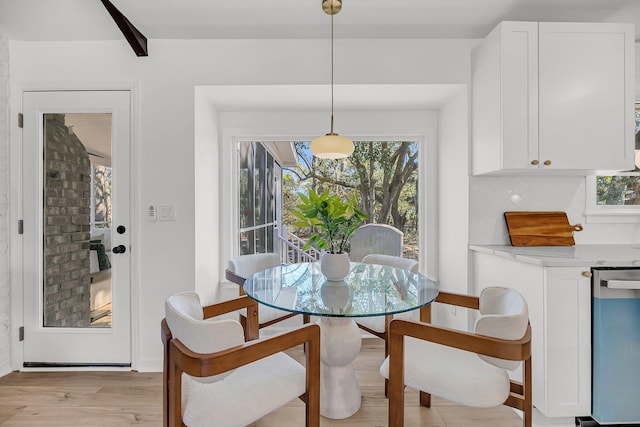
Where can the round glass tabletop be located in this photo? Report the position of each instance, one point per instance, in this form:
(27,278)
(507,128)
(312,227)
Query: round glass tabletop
(368,290)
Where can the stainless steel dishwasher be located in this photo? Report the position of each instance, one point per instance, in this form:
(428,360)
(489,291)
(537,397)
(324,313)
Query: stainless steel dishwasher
(616,345)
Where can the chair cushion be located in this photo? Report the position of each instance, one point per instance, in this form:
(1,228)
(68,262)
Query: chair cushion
(504,315)
(286,297)
(185,320)
(393,261)
(251,392)
(246,265)
(456,375)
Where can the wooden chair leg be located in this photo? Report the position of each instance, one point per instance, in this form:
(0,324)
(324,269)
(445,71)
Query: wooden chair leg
(243,322)
(425,399)
(527,416)
(396,380)
(175,395)
(387,321)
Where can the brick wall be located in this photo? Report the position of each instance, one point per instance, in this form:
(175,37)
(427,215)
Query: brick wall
(5,296)
(67,226)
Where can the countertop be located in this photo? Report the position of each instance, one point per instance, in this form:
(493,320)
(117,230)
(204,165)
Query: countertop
(567,256)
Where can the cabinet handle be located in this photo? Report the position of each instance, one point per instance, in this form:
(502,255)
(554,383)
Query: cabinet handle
(535,162)
(587,274)
(547,162)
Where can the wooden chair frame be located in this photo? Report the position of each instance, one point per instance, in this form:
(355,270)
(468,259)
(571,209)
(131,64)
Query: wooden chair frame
(520,393)
(178,359)
(239,280)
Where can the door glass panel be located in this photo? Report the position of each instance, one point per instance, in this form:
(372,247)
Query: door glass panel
(77,220)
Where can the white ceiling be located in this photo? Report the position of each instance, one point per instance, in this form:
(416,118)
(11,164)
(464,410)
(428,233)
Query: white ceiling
(198,19)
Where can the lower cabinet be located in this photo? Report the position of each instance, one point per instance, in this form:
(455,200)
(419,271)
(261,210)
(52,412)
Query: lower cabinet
(559,300)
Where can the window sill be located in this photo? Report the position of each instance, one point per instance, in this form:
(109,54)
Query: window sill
(613,217)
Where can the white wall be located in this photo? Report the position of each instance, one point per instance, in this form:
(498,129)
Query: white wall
(453,204)
(5,301)
(491,196)
(165,142)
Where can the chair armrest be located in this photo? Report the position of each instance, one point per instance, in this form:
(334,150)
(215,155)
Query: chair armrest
(228,306)
(481,344)
(251,327)
(204,365)
(460,300)
(232,277)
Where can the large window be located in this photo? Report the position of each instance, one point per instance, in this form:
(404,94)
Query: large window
(257,192)
(383,175)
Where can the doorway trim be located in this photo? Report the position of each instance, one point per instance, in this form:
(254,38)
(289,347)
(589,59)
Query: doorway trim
(15,197)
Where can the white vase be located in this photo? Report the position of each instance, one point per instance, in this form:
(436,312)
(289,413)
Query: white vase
(335,267)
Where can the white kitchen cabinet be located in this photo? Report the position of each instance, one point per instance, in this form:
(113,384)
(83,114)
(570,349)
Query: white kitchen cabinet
(559,300)
(553,98)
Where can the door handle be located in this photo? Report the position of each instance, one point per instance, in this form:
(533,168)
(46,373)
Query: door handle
(120,249)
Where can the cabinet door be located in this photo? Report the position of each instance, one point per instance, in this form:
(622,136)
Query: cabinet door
(567,338)
(519,92)
(586,96)
(504,99)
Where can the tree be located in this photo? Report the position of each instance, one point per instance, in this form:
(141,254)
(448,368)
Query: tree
(378,171)
(102,194)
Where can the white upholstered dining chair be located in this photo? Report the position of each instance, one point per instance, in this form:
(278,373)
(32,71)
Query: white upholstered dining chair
(212,377)
(375,239)
(377,325)
(469,368)
(243,266)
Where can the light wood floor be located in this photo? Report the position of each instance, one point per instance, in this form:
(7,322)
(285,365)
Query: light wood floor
(114,399)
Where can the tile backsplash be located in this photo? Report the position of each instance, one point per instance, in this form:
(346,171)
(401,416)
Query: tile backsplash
(490,197)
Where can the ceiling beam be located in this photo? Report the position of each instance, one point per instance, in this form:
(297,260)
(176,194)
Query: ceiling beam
(136,39)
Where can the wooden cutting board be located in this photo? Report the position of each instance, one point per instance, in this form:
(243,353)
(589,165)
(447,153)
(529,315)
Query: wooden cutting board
(540,228)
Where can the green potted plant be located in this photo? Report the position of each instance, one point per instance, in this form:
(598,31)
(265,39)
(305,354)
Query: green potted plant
(332,223)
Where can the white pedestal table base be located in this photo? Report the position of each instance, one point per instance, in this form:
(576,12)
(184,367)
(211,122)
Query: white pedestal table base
(340,343)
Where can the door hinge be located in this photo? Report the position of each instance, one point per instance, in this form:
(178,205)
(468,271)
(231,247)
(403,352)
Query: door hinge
(20,120)
(21,333)
(20,226)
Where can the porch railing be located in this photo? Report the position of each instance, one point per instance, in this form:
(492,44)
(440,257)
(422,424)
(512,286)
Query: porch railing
(292,249)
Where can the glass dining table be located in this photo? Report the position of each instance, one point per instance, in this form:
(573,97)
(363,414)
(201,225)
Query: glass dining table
(368,290)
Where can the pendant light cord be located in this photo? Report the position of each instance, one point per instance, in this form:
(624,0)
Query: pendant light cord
(332,67)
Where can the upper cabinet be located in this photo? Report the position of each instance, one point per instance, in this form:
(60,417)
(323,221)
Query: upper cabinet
(553,98)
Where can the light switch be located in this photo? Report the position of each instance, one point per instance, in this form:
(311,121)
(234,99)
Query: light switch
(152,213)
(167,212)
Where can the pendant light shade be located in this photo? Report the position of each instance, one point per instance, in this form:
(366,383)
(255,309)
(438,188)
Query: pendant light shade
(332,145)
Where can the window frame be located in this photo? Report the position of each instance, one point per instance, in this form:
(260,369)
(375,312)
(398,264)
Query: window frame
(427,182)
(596,213)
(268,215)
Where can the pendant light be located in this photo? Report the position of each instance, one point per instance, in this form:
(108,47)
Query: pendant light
(332,145)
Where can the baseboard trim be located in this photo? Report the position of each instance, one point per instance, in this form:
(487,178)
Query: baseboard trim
(149,365)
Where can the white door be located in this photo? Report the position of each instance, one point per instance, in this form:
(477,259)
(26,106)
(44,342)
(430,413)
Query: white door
(76,257)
